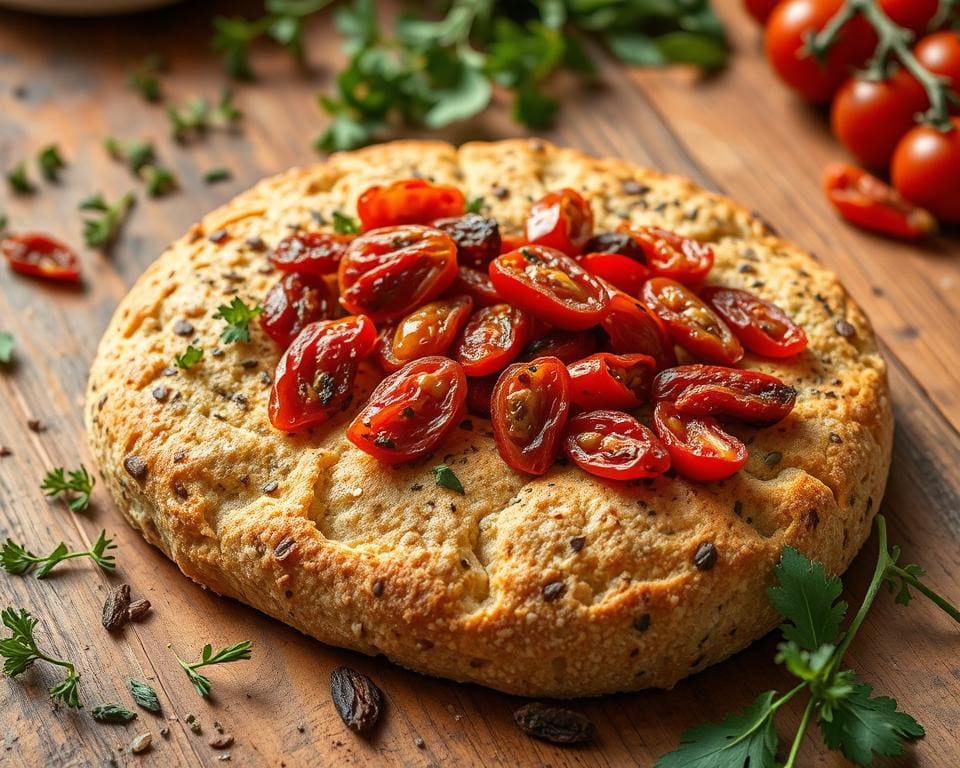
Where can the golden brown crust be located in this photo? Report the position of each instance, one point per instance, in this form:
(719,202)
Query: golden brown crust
(382,560)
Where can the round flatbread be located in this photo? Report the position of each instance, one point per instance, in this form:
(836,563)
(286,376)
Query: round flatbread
(560,585)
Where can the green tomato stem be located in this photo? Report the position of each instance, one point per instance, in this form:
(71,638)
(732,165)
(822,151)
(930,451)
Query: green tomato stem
(891,40)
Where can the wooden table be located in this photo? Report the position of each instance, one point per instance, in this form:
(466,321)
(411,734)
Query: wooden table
(738,132)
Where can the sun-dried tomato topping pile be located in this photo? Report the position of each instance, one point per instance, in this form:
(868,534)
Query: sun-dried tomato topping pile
(560,337)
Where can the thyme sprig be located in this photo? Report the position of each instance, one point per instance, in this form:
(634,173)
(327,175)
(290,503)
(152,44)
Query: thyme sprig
(18,560)
(76,485)
(237,652)
(20,652)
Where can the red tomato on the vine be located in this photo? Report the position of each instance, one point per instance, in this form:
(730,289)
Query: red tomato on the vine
(915,15)
(760,9)
(615,446)
(761,326)
(551,286)
(867,202)
(869,117)
(926,170)
(787,29)
(699,448)
(388,272)
(41,256)
(940,53)
(529,411)
(562,220)
(411,411)
(314,379)
(408,201)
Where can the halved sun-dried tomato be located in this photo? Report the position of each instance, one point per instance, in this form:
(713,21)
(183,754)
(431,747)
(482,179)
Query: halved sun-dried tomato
(408,201)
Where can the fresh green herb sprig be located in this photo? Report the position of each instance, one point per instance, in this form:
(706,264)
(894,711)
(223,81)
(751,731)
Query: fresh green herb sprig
(447,478)
(6,347)
(50,162)
(20,651)
(190,357)
(344,224)
(438,72)
(99,232)
(197,116)
(144,78)
(236,652)
(159,179)
(136,153)
(284,23)
(19,181)
(76,485)
(237,316)
(851,719)
(18,560)
(216,175)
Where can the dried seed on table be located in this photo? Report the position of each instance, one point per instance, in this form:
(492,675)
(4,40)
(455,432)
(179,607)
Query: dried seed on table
(115,607)
(356,698)
(221,741)
(554,724)
(138,610)
(141,743)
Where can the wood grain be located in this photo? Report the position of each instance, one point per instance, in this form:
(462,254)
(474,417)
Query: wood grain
(737,132)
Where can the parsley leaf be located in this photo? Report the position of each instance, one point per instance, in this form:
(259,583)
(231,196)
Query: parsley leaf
(475,205)
(144,695)
(18,180)
(862,726)
(236,652)
(237,316)
(190,357)
(345,225)
(447,478)
(100,232)
(112,713)
(135,153)
(78,482)
(216,175)
(807,599)
(197,116)
(18,560)
(143,78)
(746,739)
(159,179)
(6,347)
(20,652)
(50,162)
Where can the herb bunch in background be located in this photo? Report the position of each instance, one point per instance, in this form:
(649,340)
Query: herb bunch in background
(440,65)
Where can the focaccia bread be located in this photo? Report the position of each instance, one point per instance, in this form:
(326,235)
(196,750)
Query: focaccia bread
(560,585)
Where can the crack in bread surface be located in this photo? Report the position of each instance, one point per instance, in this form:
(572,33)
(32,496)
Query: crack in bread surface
(474,566)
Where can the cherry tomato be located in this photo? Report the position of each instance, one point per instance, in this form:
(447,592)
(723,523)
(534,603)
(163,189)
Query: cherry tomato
(615,446)
(604,380)
(293,303)
(310,253)
(491,339)
(712,390)
(634,328)
(699,448)
(314,379)
(761,326)
(408,201)
(691,323)
(620,271)
(616,242)
(411,411)
(477,238)
(512,242)
(940,53)
(529,411)
(568,346)
(550,286)
(869,117)
(388,272)
(431,329)
(785,42)
(383,350)
(926,170)
(671,255)
(915,15)
(760,9)
(561,220)
(476,285)
(41,256)
(479,394)
(869,203)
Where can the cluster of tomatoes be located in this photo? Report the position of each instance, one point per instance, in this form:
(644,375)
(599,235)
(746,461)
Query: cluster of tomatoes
(556,336)
(875,119)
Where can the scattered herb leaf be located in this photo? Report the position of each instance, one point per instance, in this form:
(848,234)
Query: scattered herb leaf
(18,180)
(475,205)
(196,116)
(135,153)
(237,316)
(447,478)
(344,224)
(237,652)
(78,482)
(215,175)
(6,347)
(159,179)
(112,713)
(144,80)
(100,232)
(50,162)
(144,695)
(20,651)
(16,559)
(190,357)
